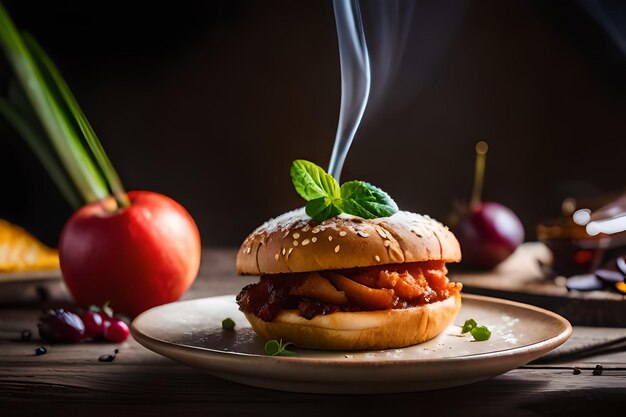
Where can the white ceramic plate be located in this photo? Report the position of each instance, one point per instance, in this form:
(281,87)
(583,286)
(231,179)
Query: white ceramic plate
(190,332)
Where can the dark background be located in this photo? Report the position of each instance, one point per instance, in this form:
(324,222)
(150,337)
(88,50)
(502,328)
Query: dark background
(209,102)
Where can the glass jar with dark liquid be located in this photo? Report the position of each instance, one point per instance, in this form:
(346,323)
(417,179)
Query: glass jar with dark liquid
(574,251)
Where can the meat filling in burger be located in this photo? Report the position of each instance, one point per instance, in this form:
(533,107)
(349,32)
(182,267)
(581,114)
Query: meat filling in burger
(391,286)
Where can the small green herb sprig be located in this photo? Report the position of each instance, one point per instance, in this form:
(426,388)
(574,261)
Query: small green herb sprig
(326,199)
(479,333)
(278,348)
(228,324)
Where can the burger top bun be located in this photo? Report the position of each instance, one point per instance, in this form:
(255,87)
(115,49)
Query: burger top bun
(293,242)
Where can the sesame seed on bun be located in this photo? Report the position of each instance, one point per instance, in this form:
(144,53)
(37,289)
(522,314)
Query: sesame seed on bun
(293,242)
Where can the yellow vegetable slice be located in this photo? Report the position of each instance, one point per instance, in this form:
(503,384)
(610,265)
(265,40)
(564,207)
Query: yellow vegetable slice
(21,251)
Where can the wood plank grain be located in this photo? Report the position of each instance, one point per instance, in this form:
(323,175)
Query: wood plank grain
(145,389)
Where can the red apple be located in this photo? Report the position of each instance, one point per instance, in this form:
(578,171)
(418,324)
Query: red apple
(137,257)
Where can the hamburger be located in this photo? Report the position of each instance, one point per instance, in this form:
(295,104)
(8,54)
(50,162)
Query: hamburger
(349,283)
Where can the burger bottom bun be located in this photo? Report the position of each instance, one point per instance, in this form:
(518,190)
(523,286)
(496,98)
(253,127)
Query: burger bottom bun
(361,330)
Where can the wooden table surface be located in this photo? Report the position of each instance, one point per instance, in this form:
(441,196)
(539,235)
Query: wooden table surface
(69,380)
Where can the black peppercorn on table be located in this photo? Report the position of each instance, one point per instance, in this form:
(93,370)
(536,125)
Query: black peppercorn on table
(586,376)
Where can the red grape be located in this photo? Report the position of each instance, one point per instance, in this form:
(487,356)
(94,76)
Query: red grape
(94,324)
(116,331)
(60,325)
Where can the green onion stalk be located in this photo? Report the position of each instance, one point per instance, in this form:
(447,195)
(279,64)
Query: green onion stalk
(42,109)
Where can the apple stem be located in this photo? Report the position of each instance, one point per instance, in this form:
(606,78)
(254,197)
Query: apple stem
(121,198)
(115,202)
(479,172)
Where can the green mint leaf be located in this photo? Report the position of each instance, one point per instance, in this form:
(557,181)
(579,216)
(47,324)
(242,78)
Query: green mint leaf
(326,199)
(321,209)
(228,324)
(277,348)
(283,349)
(272,347)
(468,326)
(312,182)
(362,199)
(480,333)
